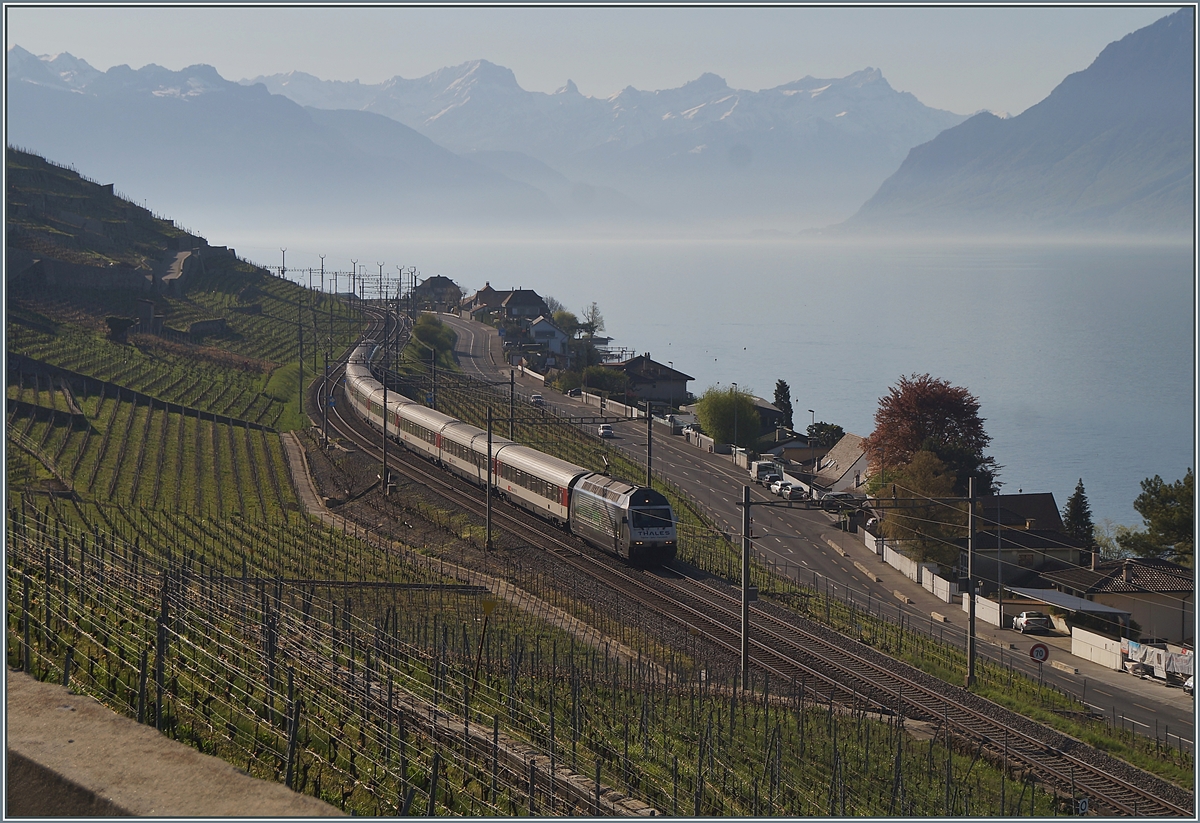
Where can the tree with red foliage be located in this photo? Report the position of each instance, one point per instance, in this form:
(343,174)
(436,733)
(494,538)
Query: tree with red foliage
(923,413)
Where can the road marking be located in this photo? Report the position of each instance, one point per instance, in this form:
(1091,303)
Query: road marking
(1101,691)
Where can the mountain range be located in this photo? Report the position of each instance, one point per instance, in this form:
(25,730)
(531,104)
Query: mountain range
(700,150)
(1110,149)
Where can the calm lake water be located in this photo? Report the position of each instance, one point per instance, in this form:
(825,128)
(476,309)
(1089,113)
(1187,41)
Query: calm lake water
(1082,357)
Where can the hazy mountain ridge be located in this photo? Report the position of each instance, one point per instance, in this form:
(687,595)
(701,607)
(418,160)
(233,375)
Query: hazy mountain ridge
(192,139)
(699,150)
(1110,149)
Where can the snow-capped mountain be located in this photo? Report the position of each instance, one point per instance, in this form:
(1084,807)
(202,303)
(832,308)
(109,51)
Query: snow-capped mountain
(192,141)
(703,148)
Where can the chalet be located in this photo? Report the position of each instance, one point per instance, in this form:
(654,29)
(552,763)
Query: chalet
(1160,596)
(653,381)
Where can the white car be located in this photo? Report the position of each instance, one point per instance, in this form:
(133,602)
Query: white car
(780,486)
(537,400)
(793,493)
(606,430)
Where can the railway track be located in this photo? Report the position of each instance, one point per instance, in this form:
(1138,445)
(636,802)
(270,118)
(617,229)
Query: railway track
(830,665)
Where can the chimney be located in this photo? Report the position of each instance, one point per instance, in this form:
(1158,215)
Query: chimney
(1029,524)
(1095,558)
(1126,572)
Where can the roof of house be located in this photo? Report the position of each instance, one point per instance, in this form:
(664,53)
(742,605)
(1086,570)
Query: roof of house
(542,321)
(437,281)
(1042,540)
(642,369)
(1018,509)
(839,460)
(487,296)
(1126,575)
(523,297)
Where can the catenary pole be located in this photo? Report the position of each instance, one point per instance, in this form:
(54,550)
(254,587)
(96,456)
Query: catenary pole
(972,589)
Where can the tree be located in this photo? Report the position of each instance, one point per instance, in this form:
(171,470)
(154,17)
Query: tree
(591,320)
(554,305)
(826,434)
(566,321)
(1167,511)
(927,528)
(716,413)
(783,401)
(923,413)
(1077,517)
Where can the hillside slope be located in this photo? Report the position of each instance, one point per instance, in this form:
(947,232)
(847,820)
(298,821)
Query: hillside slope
(1109,150)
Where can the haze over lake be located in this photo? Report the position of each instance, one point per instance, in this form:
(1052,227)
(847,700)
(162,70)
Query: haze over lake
(1081,354)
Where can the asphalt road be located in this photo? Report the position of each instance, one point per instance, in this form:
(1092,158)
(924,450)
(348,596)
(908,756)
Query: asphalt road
(797,540)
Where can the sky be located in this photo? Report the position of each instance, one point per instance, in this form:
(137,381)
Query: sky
(959,59)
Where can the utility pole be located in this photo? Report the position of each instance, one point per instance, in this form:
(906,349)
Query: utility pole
(735,405)
(353,271)
(381,289)
(649,442)
(384,475)
(433,376)
(512,393)
(325,407)
(283,267)
(745,587)
(972,589)
(322,273)
(300,333)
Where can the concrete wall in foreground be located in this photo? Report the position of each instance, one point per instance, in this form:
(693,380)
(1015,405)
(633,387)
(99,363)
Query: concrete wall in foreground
(70,756)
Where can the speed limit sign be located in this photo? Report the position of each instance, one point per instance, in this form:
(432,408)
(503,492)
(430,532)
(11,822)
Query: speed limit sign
(1039,652)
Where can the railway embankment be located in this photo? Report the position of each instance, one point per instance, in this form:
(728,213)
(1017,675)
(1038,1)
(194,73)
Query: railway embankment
(70,756)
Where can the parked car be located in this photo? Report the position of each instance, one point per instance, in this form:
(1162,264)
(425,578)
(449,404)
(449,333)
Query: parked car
(573,392)
(780,486)
(838,500)
(606,430)
(794,493)
(1031,622)
(537,400)
(767,479)
(1188,685)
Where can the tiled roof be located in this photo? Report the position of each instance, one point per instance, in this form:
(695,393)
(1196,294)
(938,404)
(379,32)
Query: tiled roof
(1144,575)
(643,369)
(840,458)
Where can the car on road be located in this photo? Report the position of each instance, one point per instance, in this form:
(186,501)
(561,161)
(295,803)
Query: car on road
(1189,685)
(838,500)
(606,430)
(794,493)
(573,392)
(770,477)
(537,400)
(780,486)
(1031,622)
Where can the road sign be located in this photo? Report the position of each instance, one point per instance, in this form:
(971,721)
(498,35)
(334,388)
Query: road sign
(1039,652)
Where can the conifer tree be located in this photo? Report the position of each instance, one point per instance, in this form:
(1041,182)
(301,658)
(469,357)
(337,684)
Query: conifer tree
(1077,517)
(783,401)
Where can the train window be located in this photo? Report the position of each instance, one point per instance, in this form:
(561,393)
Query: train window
(657,518)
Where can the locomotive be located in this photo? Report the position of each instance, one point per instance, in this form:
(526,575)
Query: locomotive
(633,522)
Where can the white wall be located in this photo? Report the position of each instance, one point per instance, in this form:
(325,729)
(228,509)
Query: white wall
(1096,648)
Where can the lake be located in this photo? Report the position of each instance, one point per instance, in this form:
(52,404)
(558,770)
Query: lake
(1081,355)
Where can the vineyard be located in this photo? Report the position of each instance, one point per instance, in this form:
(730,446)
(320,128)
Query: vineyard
(402,698)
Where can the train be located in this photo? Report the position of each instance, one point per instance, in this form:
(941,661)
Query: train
(633,522)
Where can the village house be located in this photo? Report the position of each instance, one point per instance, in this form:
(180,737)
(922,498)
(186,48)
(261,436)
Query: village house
(653,381)
(1160,596)
(437,293)
(843,468)
(553,339)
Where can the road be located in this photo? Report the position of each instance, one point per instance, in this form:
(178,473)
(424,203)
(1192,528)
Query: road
(800,542)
